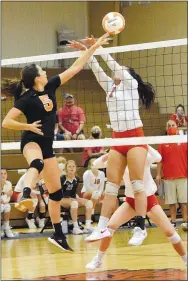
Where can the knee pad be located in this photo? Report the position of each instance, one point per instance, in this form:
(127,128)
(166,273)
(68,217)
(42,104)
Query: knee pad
(35,202)
(38,164)
(175,238)
(89,204)
(7,208)
(112,188)
(137,186)
(57,195)
(95,195)
(74,205)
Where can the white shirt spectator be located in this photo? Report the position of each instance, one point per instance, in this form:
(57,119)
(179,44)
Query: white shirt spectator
(6,188)
(92,182)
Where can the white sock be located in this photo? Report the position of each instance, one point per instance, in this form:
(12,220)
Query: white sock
(6,224)
(88,223)
(103,221)
(184,258)
(100,254)
(75,224)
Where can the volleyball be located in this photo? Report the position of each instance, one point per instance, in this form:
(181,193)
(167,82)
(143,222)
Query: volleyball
(113,23)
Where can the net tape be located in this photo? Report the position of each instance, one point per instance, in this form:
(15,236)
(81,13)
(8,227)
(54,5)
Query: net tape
(110,50)
(107,142)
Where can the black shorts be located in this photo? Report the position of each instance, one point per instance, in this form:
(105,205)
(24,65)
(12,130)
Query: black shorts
(45,144)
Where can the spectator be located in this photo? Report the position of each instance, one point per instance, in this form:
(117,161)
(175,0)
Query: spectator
(174,168)
(93,185)
(37,200)
(71,120)
(61,164)
(179,117)
(93,152)
(70,183)
(6,193)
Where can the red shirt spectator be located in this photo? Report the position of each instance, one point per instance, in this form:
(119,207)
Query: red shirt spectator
(179,117)
(174,160)
(71,117)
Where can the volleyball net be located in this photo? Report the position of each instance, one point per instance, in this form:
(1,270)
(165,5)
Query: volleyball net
(163,64)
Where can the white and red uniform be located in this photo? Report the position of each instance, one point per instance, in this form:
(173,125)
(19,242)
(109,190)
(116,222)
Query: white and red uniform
(92,182)
(122,101)
(149,184)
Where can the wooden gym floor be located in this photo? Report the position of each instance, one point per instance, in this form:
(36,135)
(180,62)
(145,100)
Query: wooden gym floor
(37,259)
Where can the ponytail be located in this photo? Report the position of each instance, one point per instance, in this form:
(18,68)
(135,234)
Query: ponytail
(145,90)
(18,90)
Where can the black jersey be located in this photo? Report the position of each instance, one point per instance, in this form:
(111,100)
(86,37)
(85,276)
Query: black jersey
(69,188)
(40,106)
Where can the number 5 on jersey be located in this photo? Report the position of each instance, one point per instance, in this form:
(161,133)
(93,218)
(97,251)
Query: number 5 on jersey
(48,104)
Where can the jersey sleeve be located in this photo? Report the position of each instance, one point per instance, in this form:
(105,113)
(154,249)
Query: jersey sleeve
(86,180)
(155,156)
(53,84)
(120,71)
(104,80)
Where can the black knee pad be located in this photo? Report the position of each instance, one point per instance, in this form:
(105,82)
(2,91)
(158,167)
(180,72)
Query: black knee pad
(37,164)
(57,195)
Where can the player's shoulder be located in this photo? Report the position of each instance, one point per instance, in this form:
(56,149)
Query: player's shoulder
(8,183)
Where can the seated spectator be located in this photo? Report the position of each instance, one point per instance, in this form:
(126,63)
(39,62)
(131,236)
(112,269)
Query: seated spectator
(179,117)
(37,200)
(93,185)
(173,167)
(69,184)
(71,120)
(93,152)
(61,164)
(6,193)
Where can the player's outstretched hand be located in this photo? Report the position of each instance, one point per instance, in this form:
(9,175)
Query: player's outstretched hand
(35,127)
(89,40)
(103,40)
(76,45)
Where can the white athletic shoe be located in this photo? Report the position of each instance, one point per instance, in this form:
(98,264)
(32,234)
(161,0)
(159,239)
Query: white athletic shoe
(31,223)
(98,234)
(8,232)
(40,222)
(138,236)
(94,264)
(184,226)
(2,234)
(77,231)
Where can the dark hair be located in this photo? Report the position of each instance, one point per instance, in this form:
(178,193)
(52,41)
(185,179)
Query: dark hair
(16,87)
(180,105)
(145,89)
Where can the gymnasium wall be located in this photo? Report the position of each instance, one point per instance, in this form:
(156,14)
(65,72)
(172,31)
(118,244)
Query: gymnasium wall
(25,35)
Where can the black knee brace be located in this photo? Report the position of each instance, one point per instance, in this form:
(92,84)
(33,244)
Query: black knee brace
(57,195)
(37,164)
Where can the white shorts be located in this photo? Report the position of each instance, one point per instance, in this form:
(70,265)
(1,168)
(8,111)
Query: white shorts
(5,208)
(175,191)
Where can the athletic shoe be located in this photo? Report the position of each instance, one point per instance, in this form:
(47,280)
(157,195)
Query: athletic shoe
(60,242)
(98,234)
(138,236)
(24,205)
(31,223)
(94,264)
(40,222)
(184,226)
(8,232)
(174,224)
(77,231)
(2,234)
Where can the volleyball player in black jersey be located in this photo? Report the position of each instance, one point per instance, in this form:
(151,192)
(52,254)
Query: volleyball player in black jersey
(38,104)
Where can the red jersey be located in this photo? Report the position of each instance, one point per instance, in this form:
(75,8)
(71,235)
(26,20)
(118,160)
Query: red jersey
(180,122)
(174,160)
(71,117)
